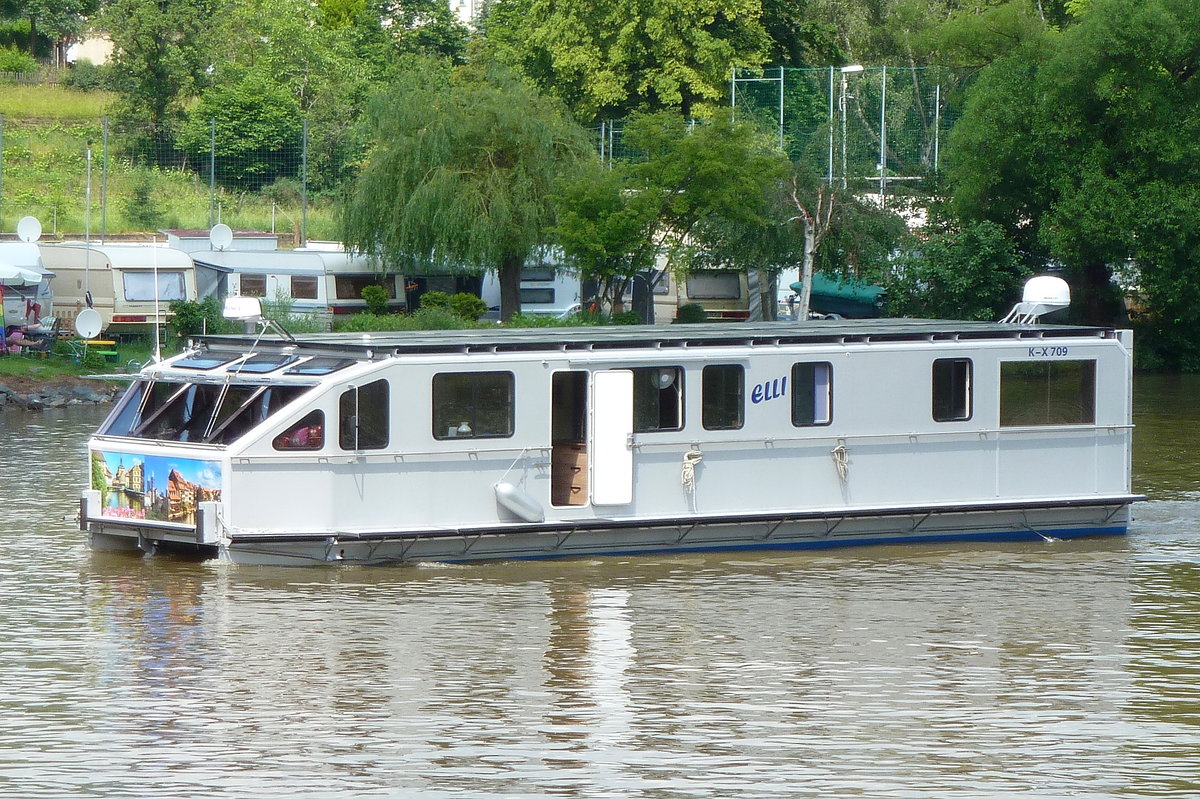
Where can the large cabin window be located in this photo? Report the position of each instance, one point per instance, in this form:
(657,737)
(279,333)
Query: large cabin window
(657,399)
(951,389)
(253,285)
(722,390)
(349,287)
(207,413)
(363,417)
(473,405)
(1047,393)
(812,394)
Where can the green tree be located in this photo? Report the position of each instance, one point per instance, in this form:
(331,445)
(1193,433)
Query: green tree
(161,51)
(972,273)
(691,186)
(257,130)
(1083,147)
(460,175)
(607,60)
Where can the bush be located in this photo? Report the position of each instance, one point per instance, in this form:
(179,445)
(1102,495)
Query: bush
(376,298)
(421,319)
(468,306)
(193,318)
(15,60)
(435,299)
(627,318)
(691,313)
(84,76)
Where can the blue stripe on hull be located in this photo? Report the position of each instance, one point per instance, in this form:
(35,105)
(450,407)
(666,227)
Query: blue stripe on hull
(999,536)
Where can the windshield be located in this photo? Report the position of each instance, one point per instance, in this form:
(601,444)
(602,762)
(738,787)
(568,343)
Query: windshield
(208,413)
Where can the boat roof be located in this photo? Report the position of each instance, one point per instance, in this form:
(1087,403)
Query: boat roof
(651,336)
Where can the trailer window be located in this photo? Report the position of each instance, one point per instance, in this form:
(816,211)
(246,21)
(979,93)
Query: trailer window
(139,286)
(812,394)
(951,389)
(657,399)
(253,285)
(349,287)
(714,286)
(363,417)
(1047,393)
(473,405)
(537,296)
(722,393)
(304,287)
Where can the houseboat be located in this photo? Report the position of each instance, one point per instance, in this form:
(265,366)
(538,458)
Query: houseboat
(472,445)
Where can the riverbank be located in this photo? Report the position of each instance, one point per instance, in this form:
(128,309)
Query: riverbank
(38,393)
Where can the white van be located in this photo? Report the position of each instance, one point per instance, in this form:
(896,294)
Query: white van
(130,285)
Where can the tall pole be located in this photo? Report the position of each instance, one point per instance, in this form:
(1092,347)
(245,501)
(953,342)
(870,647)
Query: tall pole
(842,103)
(883,138)
(781,109)
(212,171)
(104,179)
(304,186)
(937,123)
(829,176)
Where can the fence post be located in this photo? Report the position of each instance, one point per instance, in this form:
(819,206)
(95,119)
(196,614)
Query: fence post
(303,184)
(1,171)
(212,172)
(104,178)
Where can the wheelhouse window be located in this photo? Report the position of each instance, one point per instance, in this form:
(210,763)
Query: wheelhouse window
(722,396)
(363,417)
(304,287)
(657,399)
(253,285)
(1047,393)
(812,394)
(207,413)
(308,433)
(473,405)
(951,389)
(140,286)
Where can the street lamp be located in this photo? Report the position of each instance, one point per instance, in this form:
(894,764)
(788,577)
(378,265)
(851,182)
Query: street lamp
(851,69)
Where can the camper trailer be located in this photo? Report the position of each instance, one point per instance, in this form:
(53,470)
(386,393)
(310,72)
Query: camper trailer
(318,283)
(27,295)
(722,293)
(131,286)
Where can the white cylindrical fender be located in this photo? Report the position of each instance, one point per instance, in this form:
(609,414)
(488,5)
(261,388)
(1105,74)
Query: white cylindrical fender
(513,499)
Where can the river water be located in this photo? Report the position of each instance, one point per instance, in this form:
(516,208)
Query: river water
(983,670)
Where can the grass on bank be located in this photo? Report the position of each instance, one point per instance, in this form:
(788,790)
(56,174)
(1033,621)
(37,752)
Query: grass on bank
(37,101)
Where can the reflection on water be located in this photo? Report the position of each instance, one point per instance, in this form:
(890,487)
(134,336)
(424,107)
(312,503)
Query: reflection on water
(1061,669)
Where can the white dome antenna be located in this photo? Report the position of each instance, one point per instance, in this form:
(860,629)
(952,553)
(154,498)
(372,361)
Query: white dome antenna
(1042,295)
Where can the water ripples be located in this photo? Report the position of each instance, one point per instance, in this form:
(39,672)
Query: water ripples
(1052,669)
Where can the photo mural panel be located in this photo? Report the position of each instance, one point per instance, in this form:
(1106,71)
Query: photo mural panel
(153,487)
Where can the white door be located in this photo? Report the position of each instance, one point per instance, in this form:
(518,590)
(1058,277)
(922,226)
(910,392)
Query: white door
(612,433)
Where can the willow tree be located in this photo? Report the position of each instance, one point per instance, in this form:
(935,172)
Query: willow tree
(459,175)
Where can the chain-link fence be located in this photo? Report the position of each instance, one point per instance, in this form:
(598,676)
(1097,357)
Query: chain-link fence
(95,178)
(873,129)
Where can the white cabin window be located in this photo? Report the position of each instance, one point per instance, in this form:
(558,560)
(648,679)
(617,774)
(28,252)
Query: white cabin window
(714,285)
(722,396)
(363,417)
(253,285)
(308,433)
(537,296)
(951,389)
(1047,393)
(812,394)
(304,287)
(473,405)
(657,399)
(139,286)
